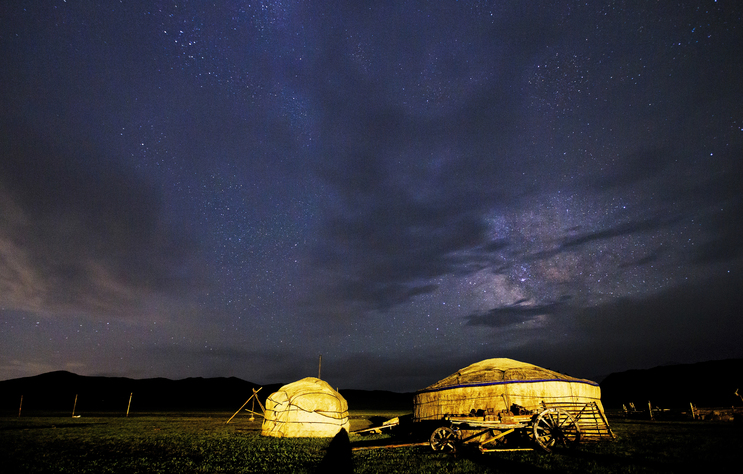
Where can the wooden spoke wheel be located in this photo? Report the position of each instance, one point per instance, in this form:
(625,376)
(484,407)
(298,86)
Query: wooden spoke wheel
(555,428)
(444,439)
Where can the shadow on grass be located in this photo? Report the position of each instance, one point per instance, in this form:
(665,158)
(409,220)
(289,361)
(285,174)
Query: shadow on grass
(338,458)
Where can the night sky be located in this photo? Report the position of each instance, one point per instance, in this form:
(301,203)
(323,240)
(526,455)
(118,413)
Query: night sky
(191,190)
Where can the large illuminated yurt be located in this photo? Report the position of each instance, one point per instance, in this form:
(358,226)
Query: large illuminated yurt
(494,385)
(306,408)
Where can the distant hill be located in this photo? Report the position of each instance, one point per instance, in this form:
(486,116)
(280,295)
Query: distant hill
(56,391)
(705,384)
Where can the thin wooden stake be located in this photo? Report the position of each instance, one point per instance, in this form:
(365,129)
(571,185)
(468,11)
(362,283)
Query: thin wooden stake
(20,406)
(252,412)
(238,411)
(252,408)
(74,406)
(319,368)
(130,404)
(255,395)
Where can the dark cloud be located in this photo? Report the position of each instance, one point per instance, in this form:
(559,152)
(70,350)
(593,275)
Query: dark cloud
(86,233)
(618,230)
(516,314)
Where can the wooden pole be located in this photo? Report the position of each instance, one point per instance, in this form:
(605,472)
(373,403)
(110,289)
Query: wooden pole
(255,394)
(253,397)
(20,406)
(130,404)
(238,411)
(252,408)
(74,406)
(319,368)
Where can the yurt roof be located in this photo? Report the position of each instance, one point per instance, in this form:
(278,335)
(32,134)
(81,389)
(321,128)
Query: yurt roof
(308,385)
(500,371)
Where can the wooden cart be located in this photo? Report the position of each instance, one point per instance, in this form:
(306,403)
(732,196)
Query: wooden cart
(506,431)
(557,424)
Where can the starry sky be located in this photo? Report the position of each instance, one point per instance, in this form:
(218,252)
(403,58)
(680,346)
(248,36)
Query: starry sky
(200,189)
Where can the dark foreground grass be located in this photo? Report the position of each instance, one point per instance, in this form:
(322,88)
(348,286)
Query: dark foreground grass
(150,444)
(205,444)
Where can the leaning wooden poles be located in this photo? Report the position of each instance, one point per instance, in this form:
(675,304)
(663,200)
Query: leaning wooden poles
(252,411)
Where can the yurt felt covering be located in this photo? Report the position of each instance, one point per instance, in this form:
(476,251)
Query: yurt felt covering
(494,385)
(306,408)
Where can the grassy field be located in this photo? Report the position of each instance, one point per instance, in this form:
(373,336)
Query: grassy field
(203,443)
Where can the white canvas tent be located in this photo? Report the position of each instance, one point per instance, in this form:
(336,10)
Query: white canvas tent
(306,408)
(494,385)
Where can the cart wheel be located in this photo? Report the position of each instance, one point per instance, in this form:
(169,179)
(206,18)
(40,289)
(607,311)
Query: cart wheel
(444,439)
(555,427)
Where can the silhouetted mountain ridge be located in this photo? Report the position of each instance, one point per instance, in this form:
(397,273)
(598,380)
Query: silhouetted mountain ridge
(705,384)
(56,391)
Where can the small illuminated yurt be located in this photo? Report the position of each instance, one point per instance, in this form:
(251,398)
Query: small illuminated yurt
(494,385)
(306,408)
